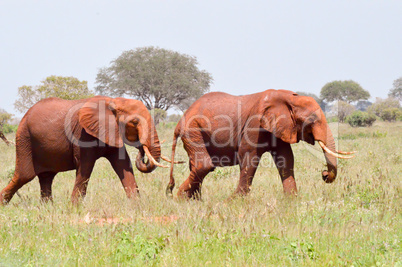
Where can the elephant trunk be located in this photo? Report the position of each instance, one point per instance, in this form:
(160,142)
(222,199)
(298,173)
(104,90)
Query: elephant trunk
(330,175)
(325,136)
(153,145)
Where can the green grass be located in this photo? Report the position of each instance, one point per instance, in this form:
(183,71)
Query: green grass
(356,221)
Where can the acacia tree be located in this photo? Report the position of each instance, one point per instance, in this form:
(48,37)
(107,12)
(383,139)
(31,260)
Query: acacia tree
(53,86)
(160,78)
(396,91)
(348,91)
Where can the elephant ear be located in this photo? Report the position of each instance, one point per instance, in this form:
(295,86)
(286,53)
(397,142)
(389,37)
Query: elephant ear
(98,120)
(277,116)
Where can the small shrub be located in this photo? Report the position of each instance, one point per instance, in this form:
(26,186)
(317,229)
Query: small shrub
(138,250)
(361,119)
(387,109)
(8,128)
(379,134)
(300,250)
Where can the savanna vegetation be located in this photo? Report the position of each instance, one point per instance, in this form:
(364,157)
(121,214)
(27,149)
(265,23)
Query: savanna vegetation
(356,221)
(69,88)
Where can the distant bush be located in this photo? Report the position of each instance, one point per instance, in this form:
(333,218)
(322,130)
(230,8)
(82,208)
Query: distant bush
(391,114)
(387,109)
(360,119)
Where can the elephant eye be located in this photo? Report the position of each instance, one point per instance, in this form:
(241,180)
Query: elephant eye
(135,121)
(311,119)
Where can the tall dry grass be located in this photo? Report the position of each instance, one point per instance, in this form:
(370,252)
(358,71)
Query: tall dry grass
(354,221)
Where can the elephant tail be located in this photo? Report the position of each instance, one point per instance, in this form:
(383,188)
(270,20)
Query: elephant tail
(169,189)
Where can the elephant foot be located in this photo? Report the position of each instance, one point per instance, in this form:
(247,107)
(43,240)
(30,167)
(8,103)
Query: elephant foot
(242,191)
(5,198)
(190,189)
(189,194)
(289,186)
(76,201)
(45,200)
(132,193)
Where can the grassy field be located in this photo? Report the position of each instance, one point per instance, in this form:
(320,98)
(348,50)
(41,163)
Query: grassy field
(356,221)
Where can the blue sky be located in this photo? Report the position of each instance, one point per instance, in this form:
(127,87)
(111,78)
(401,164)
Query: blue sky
(247,46)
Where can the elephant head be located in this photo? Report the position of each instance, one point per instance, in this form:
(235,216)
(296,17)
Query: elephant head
(292,118)
(119,120)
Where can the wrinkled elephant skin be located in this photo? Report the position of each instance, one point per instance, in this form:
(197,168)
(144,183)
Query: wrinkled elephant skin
(225,130)
(58,135)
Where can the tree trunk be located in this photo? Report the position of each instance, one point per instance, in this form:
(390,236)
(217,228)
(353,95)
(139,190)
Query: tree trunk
(2,136)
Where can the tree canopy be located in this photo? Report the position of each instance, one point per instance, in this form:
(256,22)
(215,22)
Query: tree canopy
(53,86)
(348,91)
(5,118)
(396,91)
(160,78)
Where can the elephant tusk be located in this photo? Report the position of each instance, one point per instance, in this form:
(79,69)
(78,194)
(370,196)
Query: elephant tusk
(345,153)
(175,162)
(326,149)
(152,158)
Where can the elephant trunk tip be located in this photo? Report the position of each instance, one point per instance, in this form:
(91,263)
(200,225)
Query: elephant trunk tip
(328,177)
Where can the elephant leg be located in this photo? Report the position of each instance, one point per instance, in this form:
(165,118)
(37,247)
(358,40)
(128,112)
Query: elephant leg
(200,166)
(83,174)
(124,170)
(248,166)
(24,169)
(45,181)
(19,179)
(284,161)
